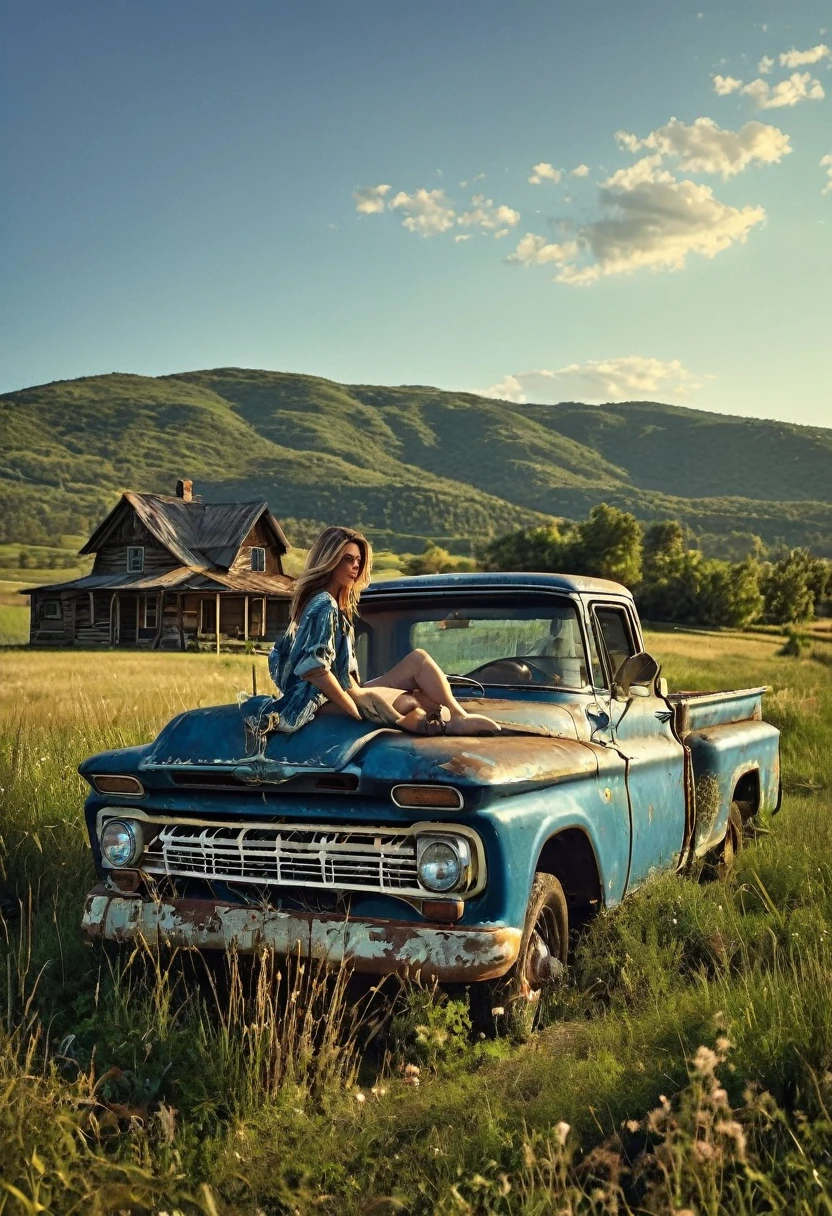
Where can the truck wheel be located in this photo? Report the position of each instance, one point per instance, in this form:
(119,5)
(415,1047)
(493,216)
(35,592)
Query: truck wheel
(732,843)
(720,860)
(539,965)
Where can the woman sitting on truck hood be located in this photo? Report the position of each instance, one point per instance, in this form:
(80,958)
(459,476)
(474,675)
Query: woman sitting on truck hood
(313,664)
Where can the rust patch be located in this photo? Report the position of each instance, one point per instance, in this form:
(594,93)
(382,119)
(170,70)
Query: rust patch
(519,759)
(446,953)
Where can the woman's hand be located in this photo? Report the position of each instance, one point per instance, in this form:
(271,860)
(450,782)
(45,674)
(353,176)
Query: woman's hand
(327,684)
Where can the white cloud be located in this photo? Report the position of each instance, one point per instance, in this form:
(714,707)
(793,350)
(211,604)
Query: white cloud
(426,212)
(535,250)
(544,172)
(651,221)
(462,236)
(800,86)
(487,216)
(581,171)
(765,65)
(723,85)
(648,169)
(658,223)
(798,59)
(826,163)
(369,200)
(704,147)
(632,377)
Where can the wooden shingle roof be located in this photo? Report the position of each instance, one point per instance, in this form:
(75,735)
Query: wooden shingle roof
(203,535)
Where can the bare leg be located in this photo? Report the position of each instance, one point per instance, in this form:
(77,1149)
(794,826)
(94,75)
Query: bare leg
(418,673)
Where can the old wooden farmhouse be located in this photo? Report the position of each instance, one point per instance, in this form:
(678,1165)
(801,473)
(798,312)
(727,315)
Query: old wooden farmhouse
(171,571)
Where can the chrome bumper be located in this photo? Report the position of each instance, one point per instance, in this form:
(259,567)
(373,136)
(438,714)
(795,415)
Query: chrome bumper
(442,952)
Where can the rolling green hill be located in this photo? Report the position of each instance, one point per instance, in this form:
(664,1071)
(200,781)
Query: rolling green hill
(406,463)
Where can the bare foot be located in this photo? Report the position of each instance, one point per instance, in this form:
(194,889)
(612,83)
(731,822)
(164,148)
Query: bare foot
(472,724)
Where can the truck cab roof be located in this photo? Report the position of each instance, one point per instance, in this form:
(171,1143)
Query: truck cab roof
(502,581)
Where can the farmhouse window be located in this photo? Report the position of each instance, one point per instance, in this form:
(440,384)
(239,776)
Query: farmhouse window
(51,610)
(258,559)
(151,611)
(135,559)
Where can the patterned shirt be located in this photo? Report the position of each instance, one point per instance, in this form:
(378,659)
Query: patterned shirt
(322,638)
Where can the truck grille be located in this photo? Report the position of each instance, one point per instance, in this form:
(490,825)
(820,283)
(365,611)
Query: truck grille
(363,859)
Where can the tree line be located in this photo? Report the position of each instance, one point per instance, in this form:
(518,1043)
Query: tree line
(671,580)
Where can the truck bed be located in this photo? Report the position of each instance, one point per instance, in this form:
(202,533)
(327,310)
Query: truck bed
(699,710)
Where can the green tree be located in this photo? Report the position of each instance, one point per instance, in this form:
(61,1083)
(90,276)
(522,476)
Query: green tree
(436,560)
(24,559)
(541,548)
(609,545)
(787,589)
(729,595)
(671,576)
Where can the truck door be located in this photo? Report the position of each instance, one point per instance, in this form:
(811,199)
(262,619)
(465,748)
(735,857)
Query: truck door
(640,729)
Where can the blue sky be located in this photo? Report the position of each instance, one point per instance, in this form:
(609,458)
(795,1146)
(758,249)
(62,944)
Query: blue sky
(196,184)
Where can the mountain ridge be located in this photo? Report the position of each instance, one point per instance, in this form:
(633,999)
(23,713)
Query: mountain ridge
(404,461)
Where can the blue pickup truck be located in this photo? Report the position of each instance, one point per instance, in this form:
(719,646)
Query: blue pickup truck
(461,859)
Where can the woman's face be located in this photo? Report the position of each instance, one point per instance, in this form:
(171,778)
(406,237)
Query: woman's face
(349,566)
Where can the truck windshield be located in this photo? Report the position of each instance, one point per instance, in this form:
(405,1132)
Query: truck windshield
(511,643)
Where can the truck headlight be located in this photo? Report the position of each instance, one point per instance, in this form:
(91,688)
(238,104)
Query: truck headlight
(121,842)
(443,863)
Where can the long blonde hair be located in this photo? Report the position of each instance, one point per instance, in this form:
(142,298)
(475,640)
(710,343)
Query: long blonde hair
(321,560)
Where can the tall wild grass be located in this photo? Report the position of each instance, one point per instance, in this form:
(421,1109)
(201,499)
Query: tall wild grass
(686,1066)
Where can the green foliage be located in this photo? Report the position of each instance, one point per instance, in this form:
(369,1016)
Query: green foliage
(795,645)
(789,588)
(456,467)
(430,1030)
(609,545)
(729,595)
(673,582)
(436,560)
(540,548)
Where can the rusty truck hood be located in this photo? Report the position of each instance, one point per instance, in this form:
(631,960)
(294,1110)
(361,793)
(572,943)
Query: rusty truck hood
(539,746)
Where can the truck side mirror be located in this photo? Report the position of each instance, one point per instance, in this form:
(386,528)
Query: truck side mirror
(635,676)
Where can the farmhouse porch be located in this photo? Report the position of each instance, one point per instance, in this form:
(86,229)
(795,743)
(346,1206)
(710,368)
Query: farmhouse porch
(159,613)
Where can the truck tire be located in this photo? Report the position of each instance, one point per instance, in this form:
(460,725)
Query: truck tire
(512,1003)
(720,860)
(732,843)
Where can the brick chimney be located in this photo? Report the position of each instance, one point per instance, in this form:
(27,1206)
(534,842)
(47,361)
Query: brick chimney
(185,490)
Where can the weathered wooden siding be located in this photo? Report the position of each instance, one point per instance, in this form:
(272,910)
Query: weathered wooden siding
(112,557)
(48,630)
(261,537)
(93,628)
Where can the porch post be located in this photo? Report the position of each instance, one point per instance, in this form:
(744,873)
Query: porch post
(118,619)
(160,619)
(245,618)
(179,620)
(218,622)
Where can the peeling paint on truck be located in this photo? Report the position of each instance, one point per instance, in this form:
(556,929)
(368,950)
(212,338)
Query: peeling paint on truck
(600,788)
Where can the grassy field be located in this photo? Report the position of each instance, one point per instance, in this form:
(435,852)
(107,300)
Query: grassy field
(686,1065)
